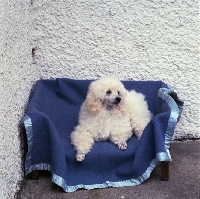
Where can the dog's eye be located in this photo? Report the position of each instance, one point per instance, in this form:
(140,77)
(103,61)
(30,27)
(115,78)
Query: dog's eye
(118,92)
(108,92)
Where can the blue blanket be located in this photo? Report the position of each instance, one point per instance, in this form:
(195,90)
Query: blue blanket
(52,115)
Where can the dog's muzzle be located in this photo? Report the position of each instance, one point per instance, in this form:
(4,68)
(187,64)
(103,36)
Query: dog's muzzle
(117,100)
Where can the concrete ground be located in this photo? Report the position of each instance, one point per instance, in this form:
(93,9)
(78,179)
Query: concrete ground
(184,182)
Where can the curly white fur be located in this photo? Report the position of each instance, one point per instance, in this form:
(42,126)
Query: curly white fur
(109,112)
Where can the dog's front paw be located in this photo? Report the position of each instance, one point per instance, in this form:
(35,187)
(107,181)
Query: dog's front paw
(138,134)
(122,145)
(80,157)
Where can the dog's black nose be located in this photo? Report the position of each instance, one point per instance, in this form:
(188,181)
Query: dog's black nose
(117,100)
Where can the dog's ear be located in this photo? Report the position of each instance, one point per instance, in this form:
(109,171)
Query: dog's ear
(122,104)
(93,104)
(121,107)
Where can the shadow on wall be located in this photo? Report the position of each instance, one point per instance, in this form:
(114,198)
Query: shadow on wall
(23,143)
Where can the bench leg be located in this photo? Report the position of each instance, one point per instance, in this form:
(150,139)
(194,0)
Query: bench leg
(35,175)
(164,170)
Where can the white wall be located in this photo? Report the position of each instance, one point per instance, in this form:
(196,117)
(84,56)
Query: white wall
(132,39)
(17,75)
(85,39)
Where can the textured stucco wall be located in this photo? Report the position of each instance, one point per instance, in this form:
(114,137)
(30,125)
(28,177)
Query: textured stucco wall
(134,40)
(17,75)
(84,39)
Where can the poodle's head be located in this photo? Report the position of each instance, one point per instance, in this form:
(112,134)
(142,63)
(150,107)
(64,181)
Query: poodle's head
(107,92)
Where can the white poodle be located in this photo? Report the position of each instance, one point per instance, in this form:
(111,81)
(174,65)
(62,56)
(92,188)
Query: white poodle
(109,112)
